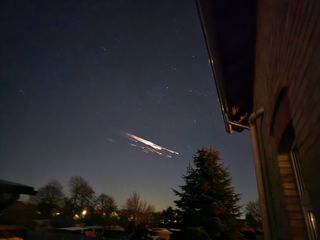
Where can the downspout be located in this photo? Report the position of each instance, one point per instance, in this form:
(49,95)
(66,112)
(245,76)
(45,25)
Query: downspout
(256,146)
(256,149)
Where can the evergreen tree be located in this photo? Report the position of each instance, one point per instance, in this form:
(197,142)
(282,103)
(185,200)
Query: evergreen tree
(207,199)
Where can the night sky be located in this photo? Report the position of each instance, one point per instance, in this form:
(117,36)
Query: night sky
(85,83)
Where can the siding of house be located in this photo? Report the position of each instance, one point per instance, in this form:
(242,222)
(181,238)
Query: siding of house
(288,60)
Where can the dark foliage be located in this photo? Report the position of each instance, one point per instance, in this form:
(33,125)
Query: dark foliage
(253,216)
(50,198)
(81,194)
(207,200)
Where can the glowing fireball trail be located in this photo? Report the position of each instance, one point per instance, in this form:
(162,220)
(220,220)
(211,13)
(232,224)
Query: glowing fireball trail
(150,146)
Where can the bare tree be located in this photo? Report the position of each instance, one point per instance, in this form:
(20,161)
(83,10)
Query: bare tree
(50,198)
(138,210)
(105,204)
(253,215)
(81,194)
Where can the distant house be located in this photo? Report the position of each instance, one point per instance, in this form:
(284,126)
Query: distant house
(265,58)
(10,192)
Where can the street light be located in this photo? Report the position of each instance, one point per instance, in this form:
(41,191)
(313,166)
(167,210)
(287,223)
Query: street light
(84,212)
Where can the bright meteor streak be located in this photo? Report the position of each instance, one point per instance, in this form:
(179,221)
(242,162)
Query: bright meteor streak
(149,143)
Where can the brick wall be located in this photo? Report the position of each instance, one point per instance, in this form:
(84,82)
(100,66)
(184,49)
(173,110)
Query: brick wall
(288,56)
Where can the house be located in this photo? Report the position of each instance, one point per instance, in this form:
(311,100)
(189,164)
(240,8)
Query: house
(265,58)
(10,192)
